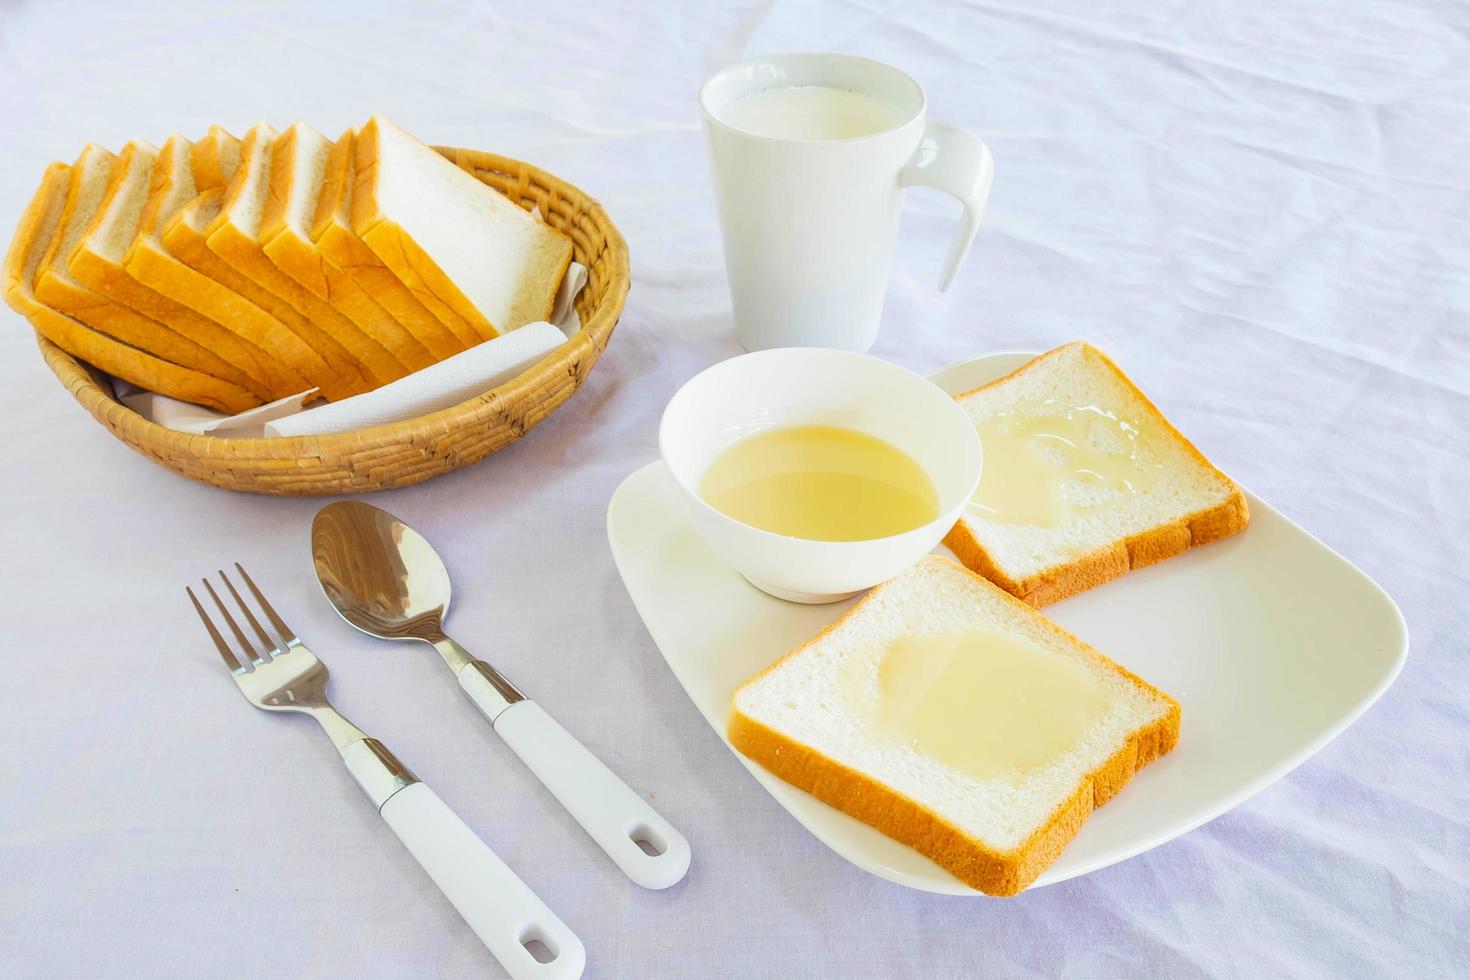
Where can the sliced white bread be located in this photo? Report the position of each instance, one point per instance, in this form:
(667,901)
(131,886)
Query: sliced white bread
(97,262)
(54,286)
(468,253)
(1104,528)
(186,236)
(810,719)
(38,228)
(286,360)
(214,159)
(331,231)
(298,170)
(234,236)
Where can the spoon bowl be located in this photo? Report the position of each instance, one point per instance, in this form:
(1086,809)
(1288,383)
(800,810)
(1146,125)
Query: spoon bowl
(381,575)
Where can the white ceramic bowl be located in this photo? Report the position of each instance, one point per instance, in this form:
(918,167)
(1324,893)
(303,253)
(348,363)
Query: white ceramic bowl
(808,386)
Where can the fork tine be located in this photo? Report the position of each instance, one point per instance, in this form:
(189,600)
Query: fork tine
(265,638)
(286,633)
(234,626)
(231,661)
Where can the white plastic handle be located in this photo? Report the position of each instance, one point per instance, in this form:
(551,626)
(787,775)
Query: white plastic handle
(955,161)
(616,817)
(501,908)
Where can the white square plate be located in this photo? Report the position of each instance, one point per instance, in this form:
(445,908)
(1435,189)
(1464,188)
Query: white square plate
(1271,642)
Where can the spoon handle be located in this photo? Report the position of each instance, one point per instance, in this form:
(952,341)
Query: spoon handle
(617,818)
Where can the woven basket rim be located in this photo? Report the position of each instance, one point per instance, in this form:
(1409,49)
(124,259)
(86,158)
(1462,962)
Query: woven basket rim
(75,375)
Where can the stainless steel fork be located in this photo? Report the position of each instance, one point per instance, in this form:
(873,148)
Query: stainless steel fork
(522,933)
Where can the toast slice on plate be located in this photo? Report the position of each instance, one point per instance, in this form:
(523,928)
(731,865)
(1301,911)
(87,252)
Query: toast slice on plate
(958,720)
(39,226)
(298,167)
(150,263)
(331,230)
(53,286)
(1084,479)
(234,236)
(470,254)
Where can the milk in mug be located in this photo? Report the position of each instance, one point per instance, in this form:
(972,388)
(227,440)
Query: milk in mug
(809,112)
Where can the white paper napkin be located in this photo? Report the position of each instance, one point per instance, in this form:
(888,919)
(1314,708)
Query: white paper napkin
(437,386)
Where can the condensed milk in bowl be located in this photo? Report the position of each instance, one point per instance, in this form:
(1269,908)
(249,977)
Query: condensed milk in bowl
(818,473)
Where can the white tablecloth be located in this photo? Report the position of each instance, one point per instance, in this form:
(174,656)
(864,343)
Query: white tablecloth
(1260,208)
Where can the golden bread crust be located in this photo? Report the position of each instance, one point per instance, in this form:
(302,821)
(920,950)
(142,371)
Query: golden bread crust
(246,255)
(299,258)
(337,339)
(400,253)
(160,271)
(340,244)
(334,181)
(241,364)
(126,326)
(213,159)
(302,261)
(76,338)
(331,230)
(185,241)
(51,289)
(151,264)
(909,822)
(1152,545)
(185,238)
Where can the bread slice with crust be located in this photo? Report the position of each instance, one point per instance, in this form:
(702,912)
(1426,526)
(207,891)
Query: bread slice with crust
(214,159)
(39,225)
(331,231)
(186,236)
(298,169)
(97,262)
(815,718)
(235,237)
(287,362)
(53,286)
(1170,499)
(469,253)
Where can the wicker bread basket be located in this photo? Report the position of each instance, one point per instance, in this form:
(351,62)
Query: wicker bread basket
(402,453)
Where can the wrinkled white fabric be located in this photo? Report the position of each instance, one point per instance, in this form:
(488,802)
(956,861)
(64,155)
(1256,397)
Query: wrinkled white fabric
(1258,207)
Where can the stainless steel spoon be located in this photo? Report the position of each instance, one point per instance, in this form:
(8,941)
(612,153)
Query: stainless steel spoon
(384,578)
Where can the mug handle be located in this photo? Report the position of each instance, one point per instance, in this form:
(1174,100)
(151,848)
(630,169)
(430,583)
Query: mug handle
(955,161)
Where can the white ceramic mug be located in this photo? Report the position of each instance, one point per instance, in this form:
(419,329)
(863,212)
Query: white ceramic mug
(809,225)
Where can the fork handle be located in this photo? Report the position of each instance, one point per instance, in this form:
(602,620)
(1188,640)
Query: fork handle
(501,908)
